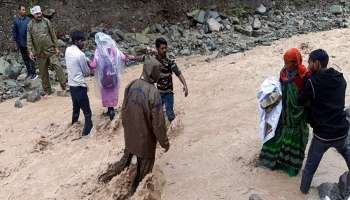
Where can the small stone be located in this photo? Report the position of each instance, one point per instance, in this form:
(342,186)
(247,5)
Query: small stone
(257,24)
(185,52)
(49,12)
(234,20)
(261,9)
(255,197)
(18,104)
(246,30)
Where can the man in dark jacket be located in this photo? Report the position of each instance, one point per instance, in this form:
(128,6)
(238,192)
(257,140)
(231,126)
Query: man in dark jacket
(19,33)
(324,94)
(144,123)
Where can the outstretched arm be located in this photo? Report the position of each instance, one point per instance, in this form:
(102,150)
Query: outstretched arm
(183,81)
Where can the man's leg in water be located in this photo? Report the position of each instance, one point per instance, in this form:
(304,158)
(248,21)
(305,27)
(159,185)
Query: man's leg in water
(316,151)
(116,169)
(144,167)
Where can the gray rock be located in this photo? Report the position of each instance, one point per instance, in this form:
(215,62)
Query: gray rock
(159,28)
(118,35)
(257,24)
(175,32)
(9,83)
(141,38)
(329,189)
(34,96)
(33,84)
(18,104)
(235,20)
(261,9)
(255,197)
(193,13)
(3,65)
(213,14)
(200,18)
(13,71)
(336,9)
(214,26)
(49,12)
(185,52)
(245,30)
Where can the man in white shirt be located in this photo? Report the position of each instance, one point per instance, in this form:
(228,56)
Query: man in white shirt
(77,68)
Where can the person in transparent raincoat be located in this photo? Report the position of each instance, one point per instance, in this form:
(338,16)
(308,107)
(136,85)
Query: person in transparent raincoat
(108,63)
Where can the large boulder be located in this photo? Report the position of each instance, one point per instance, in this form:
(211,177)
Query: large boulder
(214,26)
(3,65)
(13,71)
(336,9)
(200,18)
(330,190)
(33,96)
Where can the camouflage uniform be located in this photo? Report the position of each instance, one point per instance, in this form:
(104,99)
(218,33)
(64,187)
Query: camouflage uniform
(42,41)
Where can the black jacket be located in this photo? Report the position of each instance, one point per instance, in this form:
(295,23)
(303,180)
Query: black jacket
(324,92)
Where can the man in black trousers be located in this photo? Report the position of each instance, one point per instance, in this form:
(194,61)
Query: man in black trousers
(324,96)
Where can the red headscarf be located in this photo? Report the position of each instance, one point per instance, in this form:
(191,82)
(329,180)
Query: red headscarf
(294,55)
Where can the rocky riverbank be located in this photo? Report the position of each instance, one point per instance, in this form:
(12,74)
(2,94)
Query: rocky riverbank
(209,32)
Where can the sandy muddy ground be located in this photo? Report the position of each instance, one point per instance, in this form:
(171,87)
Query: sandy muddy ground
(214,141)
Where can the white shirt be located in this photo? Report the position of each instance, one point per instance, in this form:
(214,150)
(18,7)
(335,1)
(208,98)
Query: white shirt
(77,66)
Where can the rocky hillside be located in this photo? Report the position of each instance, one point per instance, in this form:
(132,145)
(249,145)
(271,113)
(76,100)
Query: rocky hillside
(130,16)
(209,28)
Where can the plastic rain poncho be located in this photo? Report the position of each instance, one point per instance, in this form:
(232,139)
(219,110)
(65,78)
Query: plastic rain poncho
(108,64)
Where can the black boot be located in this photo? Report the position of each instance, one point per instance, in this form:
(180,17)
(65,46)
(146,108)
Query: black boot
(75,118)
(87,127)
(111,113)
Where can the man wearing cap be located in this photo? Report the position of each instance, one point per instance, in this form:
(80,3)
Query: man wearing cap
(42,45)
(19,33)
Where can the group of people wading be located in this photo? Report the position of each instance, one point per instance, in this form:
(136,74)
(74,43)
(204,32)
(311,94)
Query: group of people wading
(312,95)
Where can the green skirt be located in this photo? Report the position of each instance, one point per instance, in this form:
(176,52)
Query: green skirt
(286,151)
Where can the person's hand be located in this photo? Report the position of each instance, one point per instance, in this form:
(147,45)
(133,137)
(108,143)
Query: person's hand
(31,56)
(57,51)
(166,147)
(185,89)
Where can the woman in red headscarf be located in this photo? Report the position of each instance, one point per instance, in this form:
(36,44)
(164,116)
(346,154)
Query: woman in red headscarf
(286,150)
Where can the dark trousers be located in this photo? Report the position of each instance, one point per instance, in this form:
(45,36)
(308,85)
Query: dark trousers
(80,100)
(30,65)
(168,101)
(144,167)
(316,151)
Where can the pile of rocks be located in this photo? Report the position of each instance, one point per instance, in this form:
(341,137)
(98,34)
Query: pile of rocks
(205,32)
(336,191)
(209,31)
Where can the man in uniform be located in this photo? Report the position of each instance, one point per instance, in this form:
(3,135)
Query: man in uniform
(42,45)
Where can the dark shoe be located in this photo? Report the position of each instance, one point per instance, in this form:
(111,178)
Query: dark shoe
(63,86)
(87,128)
(33,77)
(111,113)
